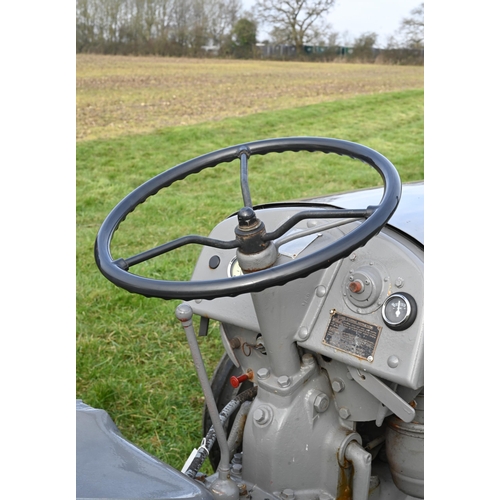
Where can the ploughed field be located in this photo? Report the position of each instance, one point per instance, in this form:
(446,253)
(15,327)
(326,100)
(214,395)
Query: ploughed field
(117,95)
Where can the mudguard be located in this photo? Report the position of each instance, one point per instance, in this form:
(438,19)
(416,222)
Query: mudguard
(109,466)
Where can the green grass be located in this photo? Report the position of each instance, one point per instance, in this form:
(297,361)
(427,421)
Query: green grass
(132,357)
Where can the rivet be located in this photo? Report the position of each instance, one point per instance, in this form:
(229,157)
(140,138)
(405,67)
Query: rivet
(393,361)
(303,333)
(320,291)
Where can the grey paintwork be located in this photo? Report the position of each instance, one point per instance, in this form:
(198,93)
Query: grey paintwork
(109,466)
(305,414)
(409,216)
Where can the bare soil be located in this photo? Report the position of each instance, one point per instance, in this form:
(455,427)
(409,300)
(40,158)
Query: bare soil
(118,95)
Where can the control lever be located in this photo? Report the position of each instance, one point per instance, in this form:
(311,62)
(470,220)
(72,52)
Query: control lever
(383,393)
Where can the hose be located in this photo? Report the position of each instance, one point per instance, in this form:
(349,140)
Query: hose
(209,440)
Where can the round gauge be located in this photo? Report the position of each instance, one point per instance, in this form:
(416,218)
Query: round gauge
(399,311)
(234,268)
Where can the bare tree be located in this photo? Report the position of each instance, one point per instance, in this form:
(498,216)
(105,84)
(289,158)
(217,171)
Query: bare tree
(412,29)
(296,21)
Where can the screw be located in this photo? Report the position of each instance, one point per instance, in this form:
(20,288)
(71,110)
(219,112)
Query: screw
(321,403)
(344,413)
(284,381)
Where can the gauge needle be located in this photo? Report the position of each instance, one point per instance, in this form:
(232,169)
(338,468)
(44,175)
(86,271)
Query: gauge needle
(397,310)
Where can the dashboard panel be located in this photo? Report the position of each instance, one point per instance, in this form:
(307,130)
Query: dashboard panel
(366,311)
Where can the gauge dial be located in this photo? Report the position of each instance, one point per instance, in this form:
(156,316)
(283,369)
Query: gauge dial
(399,311)
(234,268)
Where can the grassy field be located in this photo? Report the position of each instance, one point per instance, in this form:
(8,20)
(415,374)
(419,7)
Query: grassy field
(132,357)
(127,95)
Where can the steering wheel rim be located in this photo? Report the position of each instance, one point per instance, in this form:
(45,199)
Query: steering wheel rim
(259,280)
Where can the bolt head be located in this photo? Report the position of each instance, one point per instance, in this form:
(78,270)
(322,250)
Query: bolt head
(321,403)
(263,373)
(338,385)
(262,415)
(308,359)
(287,494)
(237,468)
(344,413)
(284,381)
(259,416)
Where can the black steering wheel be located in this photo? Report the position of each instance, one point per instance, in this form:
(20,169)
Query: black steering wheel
(117,271)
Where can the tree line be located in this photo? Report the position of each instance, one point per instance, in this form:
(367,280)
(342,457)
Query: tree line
(195,28)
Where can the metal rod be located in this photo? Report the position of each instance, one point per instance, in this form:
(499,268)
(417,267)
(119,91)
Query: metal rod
(184,314)
(245,189)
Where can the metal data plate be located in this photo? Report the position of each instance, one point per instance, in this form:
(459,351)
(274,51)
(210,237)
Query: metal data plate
(352,336)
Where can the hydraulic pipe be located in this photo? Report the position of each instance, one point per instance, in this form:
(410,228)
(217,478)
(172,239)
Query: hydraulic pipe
(362,462)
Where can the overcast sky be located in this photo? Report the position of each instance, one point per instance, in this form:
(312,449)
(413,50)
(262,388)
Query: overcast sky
(361,16)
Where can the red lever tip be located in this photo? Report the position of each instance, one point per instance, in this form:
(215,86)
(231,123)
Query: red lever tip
(236,381)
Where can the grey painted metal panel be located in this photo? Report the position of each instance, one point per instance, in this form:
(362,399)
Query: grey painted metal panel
(409,216)
(109,466)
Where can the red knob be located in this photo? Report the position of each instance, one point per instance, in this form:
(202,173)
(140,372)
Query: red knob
(236,381)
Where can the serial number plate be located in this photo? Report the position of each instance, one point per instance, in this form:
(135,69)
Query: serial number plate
(352,336)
